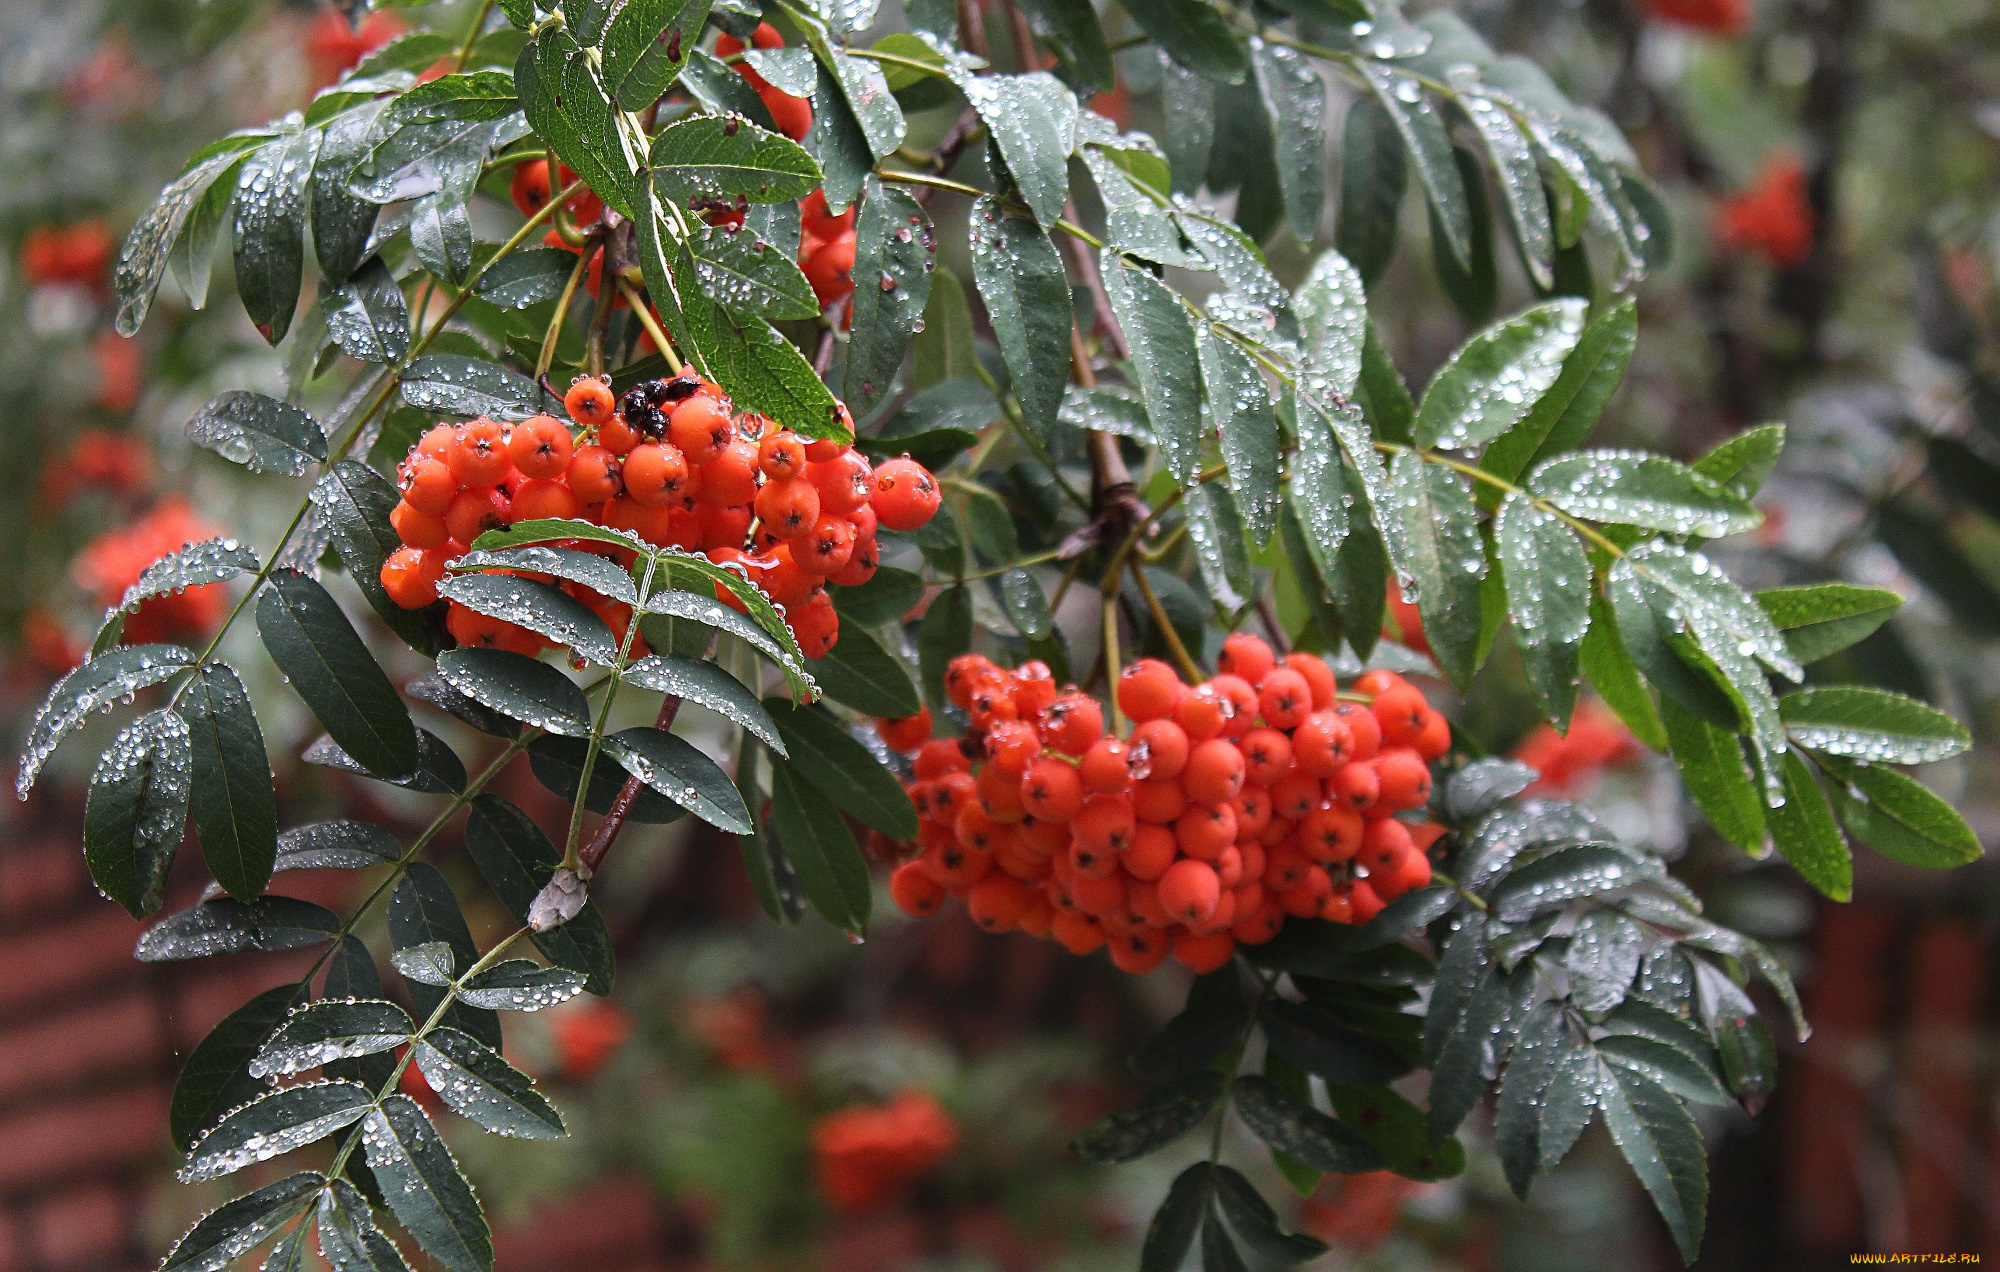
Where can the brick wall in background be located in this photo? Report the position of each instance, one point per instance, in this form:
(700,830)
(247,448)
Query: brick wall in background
(91,1041)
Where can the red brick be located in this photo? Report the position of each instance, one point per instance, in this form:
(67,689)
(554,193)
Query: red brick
(46,962)
(93,1134)
(84,1229)
(608,1224)
(115,1036)
(13,1256)
(214,988)
(39,876)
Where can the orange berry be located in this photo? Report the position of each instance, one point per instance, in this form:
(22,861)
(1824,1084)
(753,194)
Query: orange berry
(1158,802)
(817,626)
(1190,890)
(1204,954)
(1214,773)
(1401,710)
(955,867)
(1363,902)
(1139,951)
(1323,743)
(997,902)
(1011,746)
(1284,698)
(939,756)
(731,477)
(590,402)
(1159,750)
(1204,832)
(1106,766)
(828,546)
(830,269)
(788,509)
(1200,712)
(700,426)
(1072,723)
(1106,824)
(1239,704)
(1246,655)
(428,484)
(410,577)
(535,500)
(1153,850)
(1435,738)
(474,512)
(656,474)
(418,529)
(1365,728)
(1404,778)
(478,457)
(1331,834)
(845,482)
(1358,785)
(906,496)
(915,892)
(540,447)
(1051,790)
(594,474)
(962,674)
(782,455)
(1296,794)
(1267,756)
(907,733)
(1077,933)
(1148,690)
(1318,675)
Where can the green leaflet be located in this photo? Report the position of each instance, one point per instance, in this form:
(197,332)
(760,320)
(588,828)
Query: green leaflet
(829,866)
(1497,375)
(1804,831)
(1548,582)
(1717,775)
(1020,277)
(1239,403)
(1562,418)
(1444,555)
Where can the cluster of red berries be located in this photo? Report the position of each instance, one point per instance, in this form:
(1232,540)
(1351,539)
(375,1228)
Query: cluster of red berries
(792,115)
(1718,17)
(1773,216)
(1258,794)
(673,465)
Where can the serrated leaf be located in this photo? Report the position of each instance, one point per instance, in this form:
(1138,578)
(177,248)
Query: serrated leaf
(1165,1115)
(827,756)
(1020,278)
(1332,309)
(1239,403)
(227,927)
(1445,556)
(1567,874)
(1822,619)
(645,47)
(1373,173)
(563,95)
(1803,829)
(268,229)
(1874,726)
(738,270)
(1562,418)
(708,685)
(1165,358)
(1216,530)
(1602,959)
(528,276)
(1172,1230)
(828,865)
(1717,775)
(1319,1042)
(1664,1148)
(517,860)
(676,769)
(1295,100)
(136,812)
(216,1076)
(1396,1130)
(355,501)
(143,258)
(272,1125)
(424,1187)
(424,911)
(317,649)
(439,771)
(522,688)
(719,158)
(1032,119)
(473,1079)
(595,572)
(713,613)
(1548,581)
(367,315)
(1421,127)
(259,432)
(1667,1066)
(315,1034)
(454,384)
(766,373)
(895,253)
(234,799)
(1900,818)
(1741,464)
(1497,375)
(232,1230)
(945,633)
(1638,489)
(860,673)
(536,606)
(1300,1131)
(1609,669)
(348,1237)
(1195,35)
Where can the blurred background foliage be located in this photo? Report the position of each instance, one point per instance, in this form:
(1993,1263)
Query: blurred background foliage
(1833,172)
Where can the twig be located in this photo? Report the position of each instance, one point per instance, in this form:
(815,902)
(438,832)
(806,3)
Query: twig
(607,830)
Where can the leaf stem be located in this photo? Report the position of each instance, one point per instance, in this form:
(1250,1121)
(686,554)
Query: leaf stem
(547,357)
(645,316)
(1189,668)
